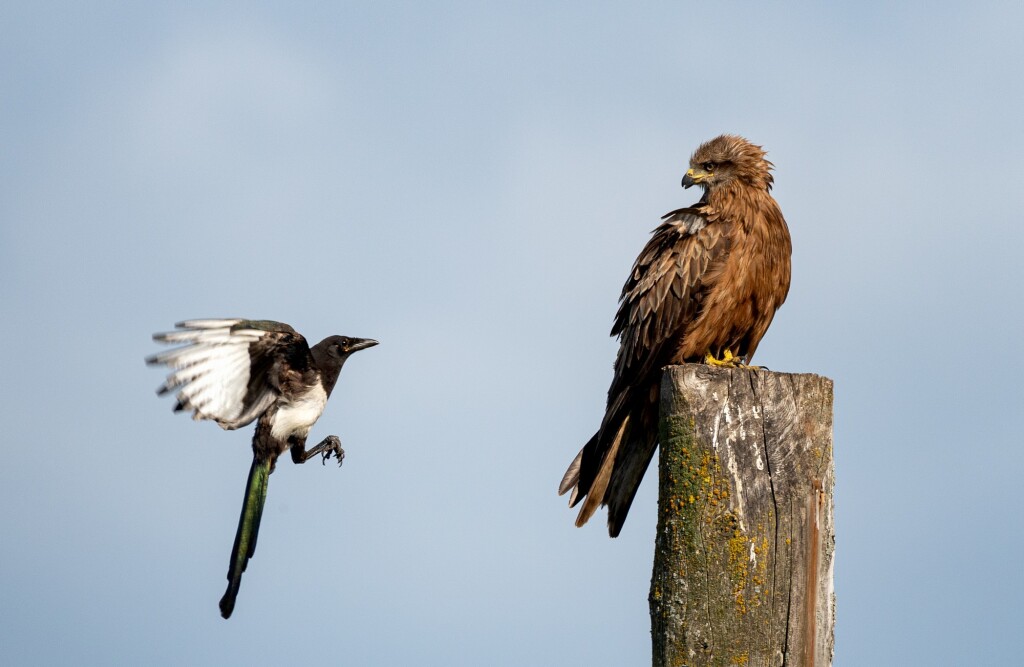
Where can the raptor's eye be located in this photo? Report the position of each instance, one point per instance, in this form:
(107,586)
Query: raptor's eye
(708,166)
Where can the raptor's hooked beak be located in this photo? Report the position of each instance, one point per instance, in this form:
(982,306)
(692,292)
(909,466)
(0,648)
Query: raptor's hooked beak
(694,175)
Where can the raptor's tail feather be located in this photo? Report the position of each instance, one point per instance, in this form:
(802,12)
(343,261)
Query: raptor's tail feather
(596,492)
(571,477)
(634,459)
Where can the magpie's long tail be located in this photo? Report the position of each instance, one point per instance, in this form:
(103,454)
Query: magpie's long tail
(248,529)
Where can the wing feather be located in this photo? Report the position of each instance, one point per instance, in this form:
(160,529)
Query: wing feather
(663,293)
(661,297)
(226,369)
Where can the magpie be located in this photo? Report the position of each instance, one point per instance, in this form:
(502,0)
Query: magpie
(234,371)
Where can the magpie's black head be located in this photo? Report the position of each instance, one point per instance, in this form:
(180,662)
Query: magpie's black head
(330,355)
(341,347)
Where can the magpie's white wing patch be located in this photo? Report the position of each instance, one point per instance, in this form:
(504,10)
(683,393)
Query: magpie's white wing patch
(211,372)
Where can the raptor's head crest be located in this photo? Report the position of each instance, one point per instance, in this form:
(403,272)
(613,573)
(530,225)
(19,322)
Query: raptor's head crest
(726,159)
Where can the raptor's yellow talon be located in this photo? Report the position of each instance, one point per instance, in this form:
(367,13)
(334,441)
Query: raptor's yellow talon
(728,360)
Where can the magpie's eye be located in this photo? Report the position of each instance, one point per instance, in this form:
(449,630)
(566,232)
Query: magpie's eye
(708,166)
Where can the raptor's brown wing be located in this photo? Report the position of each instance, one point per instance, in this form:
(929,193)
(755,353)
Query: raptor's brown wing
(661,297)
(664,293)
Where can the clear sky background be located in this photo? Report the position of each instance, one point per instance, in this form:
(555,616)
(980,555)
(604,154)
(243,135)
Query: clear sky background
(469,184)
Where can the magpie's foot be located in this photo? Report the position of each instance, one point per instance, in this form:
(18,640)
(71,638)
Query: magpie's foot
(339,454)
(331,445)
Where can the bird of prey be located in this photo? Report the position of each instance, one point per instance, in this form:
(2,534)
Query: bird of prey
(704,288)
(234,371)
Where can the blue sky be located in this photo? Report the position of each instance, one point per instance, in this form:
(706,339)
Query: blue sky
(469,184)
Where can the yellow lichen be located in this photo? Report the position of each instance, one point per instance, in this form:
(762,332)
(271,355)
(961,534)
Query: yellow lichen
(739,568)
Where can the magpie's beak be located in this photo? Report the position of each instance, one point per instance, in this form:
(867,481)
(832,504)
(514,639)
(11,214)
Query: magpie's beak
(361,344)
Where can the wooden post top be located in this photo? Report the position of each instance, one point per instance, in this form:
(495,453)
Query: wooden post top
(745,542)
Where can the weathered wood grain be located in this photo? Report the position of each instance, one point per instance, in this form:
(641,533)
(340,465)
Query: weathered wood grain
(744,549)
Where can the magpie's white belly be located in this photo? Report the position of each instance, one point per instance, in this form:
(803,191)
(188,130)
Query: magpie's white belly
(298,416)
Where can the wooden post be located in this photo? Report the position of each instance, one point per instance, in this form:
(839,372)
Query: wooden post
(744,551)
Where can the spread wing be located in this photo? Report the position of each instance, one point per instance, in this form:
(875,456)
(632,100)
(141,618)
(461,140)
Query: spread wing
(228,370)
(664,292)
